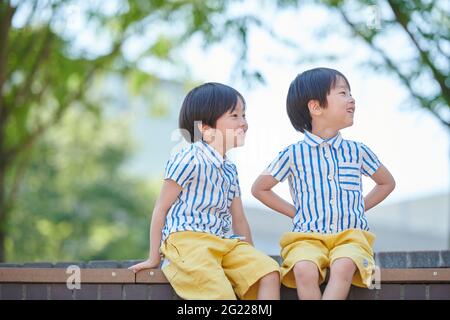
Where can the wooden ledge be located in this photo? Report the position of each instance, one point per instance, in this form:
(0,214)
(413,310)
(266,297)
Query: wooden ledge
(61,275)
(422,275)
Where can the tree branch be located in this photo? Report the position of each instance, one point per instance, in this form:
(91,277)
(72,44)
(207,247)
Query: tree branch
(42,54)
(391,65)
(403,20)
(29,44)
(20,171)
(6,13)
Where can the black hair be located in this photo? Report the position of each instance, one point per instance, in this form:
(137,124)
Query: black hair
(314,84)
(206,103)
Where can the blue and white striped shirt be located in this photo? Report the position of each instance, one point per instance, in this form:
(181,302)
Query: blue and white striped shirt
(325,182)
(210,183)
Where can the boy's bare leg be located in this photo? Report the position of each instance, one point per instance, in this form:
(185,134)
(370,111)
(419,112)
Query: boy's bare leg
(269,287)
(341,275)
(307,280)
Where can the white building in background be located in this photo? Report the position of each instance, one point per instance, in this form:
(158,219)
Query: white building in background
(416,224)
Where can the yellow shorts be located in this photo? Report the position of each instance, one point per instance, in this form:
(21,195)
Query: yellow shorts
(203,266)
(323,249)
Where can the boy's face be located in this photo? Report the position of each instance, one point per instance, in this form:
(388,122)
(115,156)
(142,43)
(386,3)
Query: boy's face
(341,106)
(232,126)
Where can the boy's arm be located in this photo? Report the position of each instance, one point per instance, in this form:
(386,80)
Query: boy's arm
(169,193)
(262,190)
(385,183)
(240,223)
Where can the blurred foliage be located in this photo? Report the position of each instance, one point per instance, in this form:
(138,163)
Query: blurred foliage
(76,201)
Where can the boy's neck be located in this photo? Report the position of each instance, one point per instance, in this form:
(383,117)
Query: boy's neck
(324,132)
(219,147)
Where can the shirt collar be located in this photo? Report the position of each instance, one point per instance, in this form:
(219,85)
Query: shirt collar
(315,141)
(212,154)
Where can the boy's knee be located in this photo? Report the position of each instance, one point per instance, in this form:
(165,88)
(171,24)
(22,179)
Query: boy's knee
(343,268)
(273,277)
(306,272)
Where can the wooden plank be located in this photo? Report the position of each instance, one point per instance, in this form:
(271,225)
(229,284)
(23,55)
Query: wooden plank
(107,276)
(33,275)
(151,276)
(58,275)
(424,275)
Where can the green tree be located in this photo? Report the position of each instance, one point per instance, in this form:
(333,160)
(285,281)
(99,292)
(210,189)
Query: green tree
(75,201)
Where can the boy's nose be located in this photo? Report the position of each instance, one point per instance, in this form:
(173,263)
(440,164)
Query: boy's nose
(244,125)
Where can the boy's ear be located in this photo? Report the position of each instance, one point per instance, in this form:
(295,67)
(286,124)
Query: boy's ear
(202,127)
(205,130)
(199,126)
(314,107)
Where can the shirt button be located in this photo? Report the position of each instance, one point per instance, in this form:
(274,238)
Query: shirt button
(326,155)
(332,201)
(332,226)
(330,177)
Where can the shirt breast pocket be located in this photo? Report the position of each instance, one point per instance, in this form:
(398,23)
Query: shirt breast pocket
(349,176)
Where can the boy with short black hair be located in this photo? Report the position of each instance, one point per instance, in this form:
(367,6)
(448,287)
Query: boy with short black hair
(324,173)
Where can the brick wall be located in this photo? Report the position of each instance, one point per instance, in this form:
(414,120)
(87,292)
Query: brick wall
(404,275)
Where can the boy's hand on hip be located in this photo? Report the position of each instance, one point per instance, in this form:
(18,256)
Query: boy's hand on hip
(147,264)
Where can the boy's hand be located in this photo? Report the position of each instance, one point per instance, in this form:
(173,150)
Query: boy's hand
(147,264)
(262,190)
(385,183)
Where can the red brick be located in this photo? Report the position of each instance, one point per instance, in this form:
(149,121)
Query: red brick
(86,292)
(111,292)
(440,291)
(11,291)
(389,292)
(161,292)
(36,292)
(357,293)
(60,292)
(136,291)
(415,292)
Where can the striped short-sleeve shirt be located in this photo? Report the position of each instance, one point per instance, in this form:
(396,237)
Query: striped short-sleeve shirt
(210,183)
(325,182)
